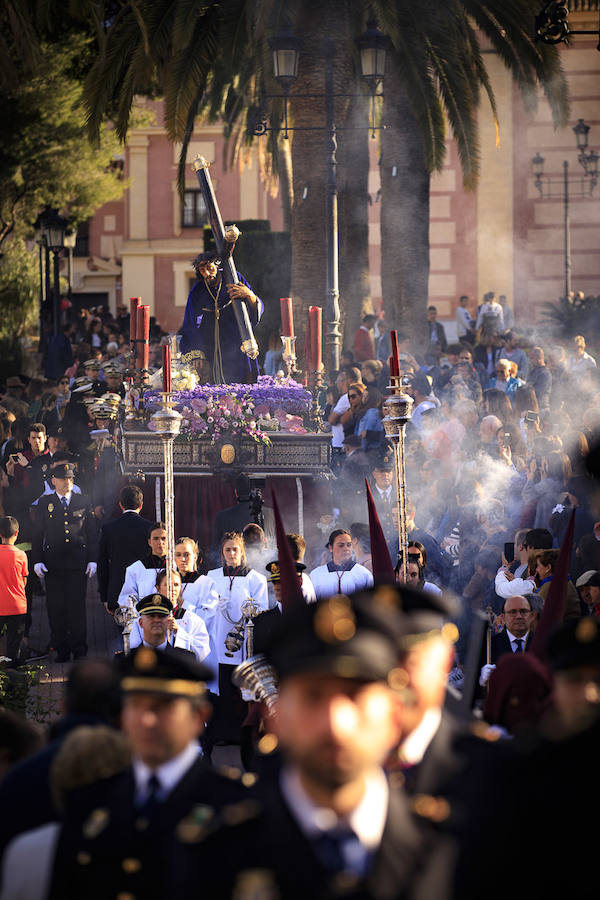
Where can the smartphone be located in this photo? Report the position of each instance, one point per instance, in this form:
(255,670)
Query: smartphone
(531,416)
(509,551)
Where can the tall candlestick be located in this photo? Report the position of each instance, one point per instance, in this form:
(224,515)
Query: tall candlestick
(287,316)
(166,355)
(142,336)
(315,315)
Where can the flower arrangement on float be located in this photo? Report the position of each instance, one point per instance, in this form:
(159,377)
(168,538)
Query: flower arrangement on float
(222,411)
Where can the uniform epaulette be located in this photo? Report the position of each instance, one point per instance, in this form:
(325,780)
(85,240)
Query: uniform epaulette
(201,821)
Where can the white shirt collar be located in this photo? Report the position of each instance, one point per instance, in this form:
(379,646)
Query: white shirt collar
(413,749)
(67,497)
(367,820)
(512,638)
(169,774)
(385,493)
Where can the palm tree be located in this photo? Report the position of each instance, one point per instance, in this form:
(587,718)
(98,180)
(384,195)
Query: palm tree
(213,59)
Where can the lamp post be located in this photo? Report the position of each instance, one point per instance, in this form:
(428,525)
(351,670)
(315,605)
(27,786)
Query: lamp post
(552,188)
(53,228)
(286,48)
(70,242)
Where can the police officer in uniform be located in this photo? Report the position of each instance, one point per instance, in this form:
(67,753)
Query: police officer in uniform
(330,823)
(64,553)
(116,840)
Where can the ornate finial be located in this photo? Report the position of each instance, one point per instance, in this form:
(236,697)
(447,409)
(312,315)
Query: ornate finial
(200,162)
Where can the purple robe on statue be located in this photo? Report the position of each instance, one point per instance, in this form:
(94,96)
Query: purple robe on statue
(200,328)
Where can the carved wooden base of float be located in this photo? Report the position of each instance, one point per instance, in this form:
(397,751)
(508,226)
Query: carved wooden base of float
(288,455)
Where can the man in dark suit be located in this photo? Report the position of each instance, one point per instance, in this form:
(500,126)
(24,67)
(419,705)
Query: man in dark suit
(116,835)
(329,824)
(122,541)
(235,518)
(515,637)
(64,551)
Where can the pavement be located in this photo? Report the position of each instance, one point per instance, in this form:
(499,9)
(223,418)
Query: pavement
(104,639)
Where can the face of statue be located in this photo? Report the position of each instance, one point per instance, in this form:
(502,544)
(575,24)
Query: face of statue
(208,270)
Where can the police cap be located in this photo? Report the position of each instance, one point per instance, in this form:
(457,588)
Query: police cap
(63,471)
(154,603)
(170,672)
(353,636)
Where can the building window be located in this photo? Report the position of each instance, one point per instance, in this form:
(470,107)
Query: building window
(193,211)
(82,245)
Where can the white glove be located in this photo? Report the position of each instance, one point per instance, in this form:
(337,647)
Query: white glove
(91,569)
(40,570)
(485,674)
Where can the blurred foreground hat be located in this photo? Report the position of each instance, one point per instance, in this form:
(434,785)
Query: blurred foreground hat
(576,643)
(172,672)
(348,637)
(15,382)
(425,613)
(63,471)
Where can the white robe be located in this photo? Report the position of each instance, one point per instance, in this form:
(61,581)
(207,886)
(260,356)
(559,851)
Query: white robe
(139,582)
(233,592)
(327,583)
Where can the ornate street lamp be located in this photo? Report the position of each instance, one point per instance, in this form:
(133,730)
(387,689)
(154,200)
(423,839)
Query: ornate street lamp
(53,229)
(585,186)
(286,47)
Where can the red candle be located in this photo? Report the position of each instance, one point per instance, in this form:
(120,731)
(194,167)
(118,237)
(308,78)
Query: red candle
(308,347)
(142,336)
(315,316)
(394,338)
(134,303)
(287,316)
(392,365)
(166,368)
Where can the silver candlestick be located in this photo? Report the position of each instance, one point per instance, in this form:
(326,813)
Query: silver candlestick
(167,422)
(398,410)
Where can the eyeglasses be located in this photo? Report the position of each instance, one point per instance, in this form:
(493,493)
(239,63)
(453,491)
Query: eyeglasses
(517,612)
(352,396)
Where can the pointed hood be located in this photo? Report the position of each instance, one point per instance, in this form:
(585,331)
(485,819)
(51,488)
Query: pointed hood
(554,607)
(291,590)
(383,569)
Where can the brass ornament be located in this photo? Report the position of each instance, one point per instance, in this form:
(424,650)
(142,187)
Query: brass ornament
(145,659)
(227,454)
(96,823)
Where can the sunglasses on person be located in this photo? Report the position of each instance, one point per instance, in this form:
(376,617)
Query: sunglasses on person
(352,396)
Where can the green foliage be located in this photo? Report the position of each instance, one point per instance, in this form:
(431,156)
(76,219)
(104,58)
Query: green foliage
(19,301)
(22,691)
(573,315)
(45,156)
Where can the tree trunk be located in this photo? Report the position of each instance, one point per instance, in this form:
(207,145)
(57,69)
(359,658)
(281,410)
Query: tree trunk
(310,154)
(404,214)
(353,158)
(286,188)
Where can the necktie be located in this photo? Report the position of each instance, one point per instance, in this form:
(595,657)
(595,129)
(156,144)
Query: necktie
(63,500)
(340,850)
(150,804)
(518,645)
